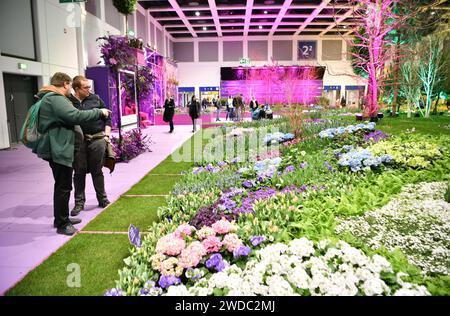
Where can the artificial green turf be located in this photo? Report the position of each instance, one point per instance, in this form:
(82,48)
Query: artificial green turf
(170,167)
(154,184)
(434,125)
(99,258)
(139,211)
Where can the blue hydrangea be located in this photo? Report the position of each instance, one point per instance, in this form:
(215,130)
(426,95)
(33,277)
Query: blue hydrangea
(332,132)
(358,160)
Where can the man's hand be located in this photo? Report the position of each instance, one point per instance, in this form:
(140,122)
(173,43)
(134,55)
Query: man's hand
(106,112)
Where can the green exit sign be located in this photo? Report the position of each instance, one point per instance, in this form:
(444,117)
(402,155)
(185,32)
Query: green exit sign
(71,1)
(244,61)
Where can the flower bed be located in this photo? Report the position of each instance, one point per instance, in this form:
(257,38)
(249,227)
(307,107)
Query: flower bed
(284,200)
(132,145)
(416,221)
(304,268)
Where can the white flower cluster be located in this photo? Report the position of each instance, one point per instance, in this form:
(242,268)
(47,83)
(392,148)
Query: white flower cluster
(301,268)
(417,221)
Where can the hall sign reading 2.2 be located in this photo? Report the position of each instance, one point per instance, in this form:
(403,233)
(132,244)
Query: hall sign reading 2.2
(307,50)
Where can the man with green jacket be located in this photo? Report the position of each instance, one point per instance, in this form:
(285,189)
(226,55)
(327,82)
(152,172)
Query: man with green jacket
(57,118)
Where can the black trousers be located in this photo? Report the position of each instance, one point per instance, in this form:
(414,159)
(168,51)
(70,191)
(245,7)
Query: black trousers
(61,193)
(171,125)
(89,159)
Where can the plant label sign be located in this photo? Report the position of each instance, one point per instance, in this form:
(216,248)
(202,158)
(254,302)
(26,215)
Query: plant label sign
(134,236)
(307,50)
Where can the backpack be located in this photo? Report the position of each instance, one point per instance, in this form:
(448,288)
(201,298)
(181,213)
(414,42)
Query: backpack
(29,134)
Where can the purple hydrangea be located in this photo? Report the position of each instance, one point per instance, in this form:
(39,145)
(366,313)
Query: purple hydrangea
(375,136)
(242,251)
(215,262)
(247,184)
(167,280)
(256,240)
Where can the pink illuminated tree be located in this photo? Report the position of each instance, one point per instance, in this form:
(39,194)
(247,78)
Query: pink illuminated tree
(377,20)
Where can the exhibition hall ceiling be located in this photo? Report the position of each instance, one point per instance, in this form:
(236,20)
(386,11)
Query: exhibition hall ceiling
(213,18)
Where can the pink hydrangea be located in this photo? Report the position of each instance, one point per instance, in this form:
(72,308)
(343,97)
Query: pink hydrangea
(224,227)
(191,256)
(205,232)
(185,229)
(212,244)
(232,242)
(170,245)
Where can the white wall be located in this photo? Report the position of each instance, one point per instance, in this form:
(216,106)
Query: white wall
(200,74)
(56,46)
(65,42)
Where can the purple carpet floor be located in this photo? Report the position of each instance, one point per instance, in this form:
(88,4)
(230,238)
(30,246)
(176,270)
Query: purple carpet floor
(27,236)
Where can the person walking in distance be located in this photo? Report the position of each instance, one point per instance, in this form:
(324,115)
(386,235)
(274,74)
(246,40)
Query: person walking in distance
(91,154)
(169,112)
(194,112)
(57,118)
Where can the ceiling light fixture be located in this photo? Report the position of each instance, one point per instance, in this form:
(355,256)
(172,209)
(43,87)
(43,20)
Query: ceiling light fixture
(205,28)
(265,12)
(197,13)
(260,27)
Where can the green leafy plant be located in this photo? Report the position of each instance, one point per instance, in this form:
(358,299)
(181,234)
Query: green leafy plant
(409,151)
(125,7)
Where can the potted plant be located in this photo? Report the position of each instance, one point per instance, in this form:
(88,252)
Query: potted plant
(125,7)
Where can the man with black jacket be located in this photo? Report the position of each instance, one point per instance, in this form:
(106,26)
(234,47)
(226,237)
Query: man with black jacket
(91,154)
(57,118)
